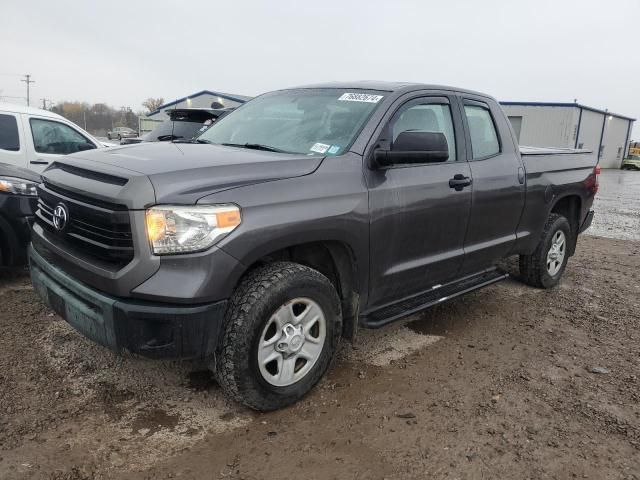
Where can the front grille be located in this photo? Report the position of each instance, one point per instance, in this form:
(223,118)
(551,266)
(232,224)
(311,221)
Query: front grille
(94,228)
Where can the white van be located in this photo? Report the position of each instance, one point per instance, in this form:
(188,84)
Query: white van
(33,138)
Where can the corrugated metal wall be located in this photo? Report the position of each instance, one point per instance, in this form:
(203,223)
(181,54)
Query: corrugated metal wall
(590,130)
(614,142)
(543,126)
(558,126)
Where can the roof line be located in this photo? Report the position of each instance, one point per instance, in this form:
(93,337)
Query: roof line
(566,104)
(198,94)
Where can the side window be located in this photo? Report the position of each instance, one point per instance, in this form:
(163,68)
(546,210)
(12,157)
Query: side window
(9,138)
(57,138)
(484,138)
(427,118)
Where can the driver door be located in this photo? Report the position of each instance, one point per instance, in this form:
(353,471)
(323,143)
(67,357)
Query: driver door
(417,221)
(49,139)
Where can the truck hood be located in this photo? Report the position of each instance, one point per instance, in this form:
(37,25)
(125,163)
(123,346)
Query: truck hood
(182,173)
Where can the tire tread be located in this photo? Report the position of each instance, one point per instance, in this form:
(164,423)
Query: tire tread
(532,266)
(253,288)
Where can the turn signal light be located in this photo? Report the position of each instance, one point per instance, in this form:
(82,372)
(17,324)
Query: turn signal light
(156,225)
(228,219)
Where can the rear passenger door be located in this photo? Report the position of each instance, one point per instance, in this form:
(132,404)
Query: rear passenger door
(12,149)
(498,184)
(418,220)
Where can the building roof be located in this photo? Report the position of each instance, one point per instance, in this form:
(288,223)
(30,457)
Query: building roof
(560,104)
(227,96)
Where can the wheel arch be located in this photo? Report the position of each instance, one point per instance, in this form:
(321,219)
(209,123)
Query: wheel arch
(570,207)
(337,261)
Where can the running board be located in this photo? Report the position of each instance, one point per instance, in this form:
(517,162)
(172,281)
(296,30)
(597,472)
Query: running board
(438,294)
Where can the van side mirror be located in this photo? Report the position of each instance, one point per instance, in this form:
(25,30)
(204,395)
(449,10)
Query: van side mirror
(414,147)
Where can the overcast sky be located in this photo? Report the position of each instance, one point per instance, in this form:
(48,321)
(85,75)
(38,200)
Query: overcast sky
(121,52)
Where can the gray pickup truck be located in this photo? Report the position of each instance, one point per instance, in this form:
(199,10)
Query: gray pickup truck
(300,217)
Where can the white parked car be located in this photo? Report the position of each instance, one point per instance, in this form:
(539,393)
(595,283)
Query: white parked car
(33,138)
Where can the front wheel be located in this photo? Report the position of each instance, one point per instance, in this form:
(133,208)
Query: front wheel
(282,329)
(546,265)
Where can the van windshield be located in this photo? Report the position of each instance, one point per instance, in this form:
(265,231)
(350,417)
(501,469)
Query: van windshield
(308,121)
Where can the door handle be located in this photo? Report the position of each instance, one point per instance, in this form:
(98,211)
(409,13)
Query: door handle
(521,175)
(38,162)
(459,181)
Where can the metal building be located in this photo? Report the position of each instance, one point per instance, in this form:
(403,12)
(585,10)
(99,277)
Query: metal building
(202,99)
(571,125)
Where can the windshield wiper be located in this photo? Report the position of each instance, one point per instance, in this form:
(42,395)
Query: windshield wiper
(255,146)
(169,137)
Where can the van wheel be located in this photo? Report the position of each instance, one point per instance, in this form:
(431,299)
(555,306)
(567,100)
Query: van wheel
(282,328)
(545,266)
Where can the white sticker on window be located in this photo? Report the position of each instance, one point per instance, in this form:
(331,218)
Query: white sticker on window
(361,97)
(319,148)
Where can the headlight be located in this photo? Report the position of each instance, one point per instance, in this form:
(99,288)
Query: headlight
(18,186)
(184,229)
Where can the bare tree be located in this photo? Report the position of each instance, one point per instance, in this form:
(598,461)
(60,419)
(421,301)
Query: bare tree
(152,104)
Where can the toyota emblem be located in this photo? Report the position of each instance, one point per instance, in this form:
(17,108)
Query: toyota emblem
(60,216)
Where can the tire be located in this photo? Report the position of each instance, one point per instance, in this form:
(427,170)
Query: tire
(241,364)
(108,136)
(537,269)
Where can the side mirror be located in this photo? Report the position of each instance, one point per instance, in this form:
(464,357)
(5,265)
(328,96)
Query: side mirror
(85,146)
(414,147)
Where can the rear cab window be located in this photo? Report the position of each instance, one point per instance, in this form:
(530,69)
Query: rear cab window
(9,135)
(482,130)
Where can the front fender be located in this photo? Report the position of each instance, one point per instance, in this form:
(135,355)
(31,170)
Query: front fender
(330,205)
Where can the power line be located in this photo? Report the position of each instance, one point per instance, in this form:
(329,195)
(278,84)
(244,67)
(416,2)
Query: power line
(28,81)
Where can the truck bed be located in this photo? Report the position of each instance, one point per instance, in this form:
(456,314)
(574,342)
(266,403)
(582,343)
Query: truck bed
(552,151)
(541,160)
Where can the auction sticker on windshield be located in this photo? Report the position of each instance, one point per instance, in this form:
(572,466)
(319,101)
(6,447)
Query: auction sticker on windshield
(319,147)
(361,97)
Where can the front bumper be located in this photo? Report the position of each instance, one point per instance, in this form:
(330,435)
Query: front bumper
(16,218)
(587,221)
(149,329)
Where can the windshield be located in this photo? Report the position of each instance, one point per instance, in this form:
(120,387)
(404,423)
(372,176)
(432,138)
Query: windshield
(174,130)
(309,121)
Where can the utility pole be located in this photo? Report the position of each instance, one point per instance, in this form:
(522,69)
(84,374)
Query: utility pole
(28,81)
(44,102)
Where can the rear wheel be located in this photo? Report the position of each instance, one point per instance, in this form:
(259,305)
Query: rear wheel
(546,265)
(282,328)
(109,136)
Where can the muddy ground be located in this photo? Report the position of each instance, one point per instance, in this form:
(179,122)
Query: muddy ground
(509,382)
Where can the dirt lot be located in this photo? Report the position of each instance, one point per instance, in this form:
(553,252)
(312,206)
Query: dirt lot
(509,382)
